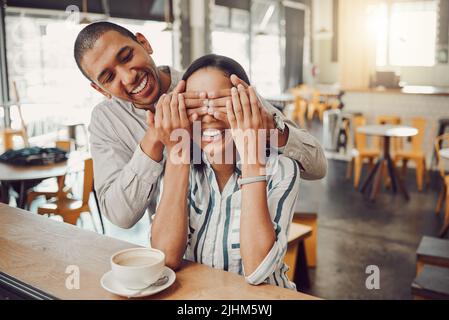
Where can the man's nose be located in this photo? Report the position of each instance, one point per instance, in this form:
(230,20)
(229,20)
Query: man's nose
(127,76)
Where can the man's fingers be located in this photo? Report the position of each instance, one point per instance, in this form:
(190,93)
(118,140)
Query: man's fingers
(236,81)
(219,102)
(200,111)
(194,95)
(180,87)
(219,94)
(195,102)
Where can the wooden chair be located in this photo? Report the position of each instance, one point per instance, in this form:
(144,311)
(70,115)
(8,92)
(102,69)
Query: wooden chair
(71,209)
(361,152)
(8,138)
(50,188)
(433,251)
(299,112)
(316,106)
(295,257)
(444,193)
(431,283)
(307,214)
(416,153)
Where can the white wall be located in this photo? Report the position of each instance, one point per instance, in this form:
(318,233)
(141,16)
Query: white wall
(322,53)
(322,41)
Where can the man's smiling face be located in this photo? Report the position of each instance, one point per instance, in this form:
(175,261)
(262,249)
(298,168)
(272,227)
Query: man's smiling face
(121,67)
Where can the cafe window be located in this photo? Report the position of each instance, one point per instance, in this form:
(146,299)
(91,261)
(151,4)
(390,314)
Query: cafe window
(406,33)
(258,51)
(230,34)
(40,62)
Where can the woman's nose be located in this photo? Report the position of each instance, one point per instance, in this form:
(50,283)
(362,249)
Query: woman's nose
(208,119)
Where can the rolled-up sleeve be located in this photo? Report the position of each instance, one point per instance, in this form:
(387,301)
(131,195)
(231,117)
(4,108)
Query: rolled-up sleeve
(302,147)
(283,192)
(126,181)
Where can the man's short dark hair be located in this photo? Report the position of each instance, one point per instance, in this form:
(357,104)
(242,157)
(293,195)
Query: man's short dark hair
(90,34)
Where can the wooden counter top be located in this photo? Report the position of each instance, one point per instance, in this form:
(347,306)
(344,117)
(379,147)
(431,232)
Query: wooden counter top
(37,251)
(421,90)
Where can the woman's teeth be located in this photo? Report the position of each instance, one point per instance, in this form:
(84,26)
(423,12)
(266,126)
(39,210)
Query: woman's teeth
(141,86)
(211,134)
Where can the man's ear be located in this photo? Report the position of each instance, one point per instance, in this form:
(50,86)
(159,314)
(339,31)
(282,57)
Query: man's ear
(99,89)
(144,42)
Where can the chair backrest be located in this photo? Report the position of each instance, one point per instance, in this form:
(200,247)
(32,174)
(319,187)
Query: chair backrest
(388,120)
(8,138)
(439,144)
(417,141)
(394,120)
(65,145)
(359,138)
(88,183)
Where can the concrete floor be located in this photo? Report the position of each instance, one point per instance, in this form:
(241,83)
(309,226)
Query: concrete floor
(354,233)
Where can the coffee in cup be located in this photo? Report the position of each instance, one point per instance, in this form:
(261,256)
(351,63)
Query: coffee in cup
(137,268)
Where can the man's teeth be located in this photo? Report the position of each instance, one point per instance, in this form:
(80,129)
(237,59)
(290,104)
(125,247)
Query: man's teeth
(141,86)
(211,132)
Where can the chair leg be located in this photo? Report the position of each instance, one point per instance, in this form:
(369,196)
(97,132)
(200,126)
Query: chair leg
(358,163)
(310,111)
(404,168)
(441,197)
(446,216)
(419,174)
(71,218)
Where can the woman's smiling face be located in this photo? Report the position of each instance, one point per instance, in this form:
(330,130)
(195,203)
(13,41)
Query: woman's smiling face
(212,130)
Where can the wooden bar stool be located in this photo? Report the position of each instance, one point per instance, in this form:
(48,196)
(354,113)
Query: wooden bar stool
(295,257)
(433,251)
(443,197)
(307,214)
(431,283)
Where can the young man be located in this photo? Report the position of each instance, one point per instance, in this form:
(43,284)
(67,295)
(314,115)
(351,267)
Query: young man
(127,158)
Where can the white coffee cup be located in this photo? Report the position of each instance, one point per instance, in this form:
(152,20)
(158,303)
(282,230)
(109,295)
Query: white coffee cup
(137,268)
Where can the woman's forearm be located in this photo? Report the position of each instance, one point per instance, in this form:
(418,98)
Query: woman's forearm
(257,235)
(169,227)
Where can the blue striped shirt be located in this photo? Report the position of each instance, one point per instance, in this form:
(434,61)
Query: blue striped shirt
(214,221)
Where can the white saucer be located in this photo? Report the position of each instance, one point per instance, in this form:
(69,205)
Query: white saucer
(110,284)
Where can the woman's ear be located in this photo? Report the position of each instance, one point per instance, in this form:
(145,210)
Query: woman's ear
(99,89)
(144,42)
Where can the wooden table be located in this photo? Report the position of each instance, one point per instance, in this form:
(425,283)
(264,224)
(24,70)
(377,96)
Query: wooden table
(28,176)
(37,251)
(386,132)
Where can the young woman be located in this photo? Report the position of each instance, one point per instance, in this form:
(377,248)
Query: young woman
(229,215)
